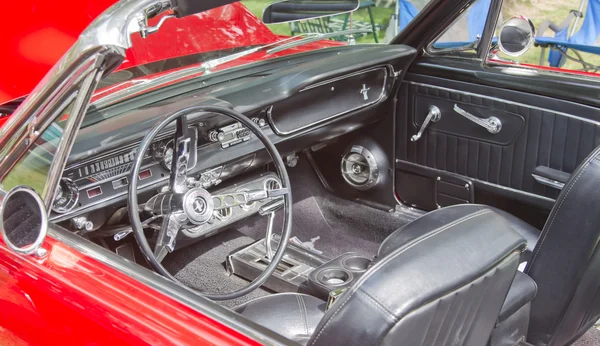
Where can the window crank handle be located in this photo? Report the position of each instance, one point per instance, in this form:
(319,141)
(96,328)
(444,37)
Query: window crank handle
(433,116)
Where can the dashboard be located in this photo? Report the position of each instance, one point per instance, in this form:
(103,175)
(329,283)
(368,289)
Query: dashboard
(314,101)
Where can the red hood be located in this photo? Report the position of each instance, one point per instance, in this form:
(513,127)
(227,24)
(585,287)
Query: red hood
(39,33)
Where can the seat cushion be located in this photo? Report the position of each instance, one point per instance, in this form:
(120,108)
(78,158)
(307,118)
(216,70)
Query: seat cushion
(447,215)
(292,315)
(521,292)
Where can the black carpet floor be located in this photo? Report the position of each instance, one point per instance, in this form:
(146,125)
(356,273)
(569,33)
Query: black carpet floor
(591,338)
(340,225)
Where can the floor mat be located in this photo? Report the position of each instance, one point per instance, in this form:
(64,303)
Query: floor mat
(201,266)
(591,338)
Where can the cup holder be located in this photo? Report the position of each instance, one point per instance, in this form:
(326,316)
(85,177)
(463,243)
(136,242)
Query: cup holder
(333,277)
(356,263)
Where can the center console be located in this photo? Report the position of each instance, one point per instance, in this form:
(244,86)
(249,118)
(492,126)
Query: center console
(340,272)
(301,269)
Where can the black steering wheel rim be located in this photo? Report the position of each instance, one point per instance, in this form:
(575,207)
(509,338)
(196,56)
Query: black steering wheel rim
(132,197)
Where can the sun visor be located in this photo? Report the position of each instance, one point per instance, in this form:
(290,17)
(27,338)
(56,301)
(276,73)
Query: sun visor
(184,8)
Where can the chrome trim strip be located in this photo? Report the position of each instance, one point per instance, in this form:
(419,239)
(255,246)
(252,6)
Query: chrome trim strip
(171,289)
(346,76)
(383,94)
(548,182)
(505,101)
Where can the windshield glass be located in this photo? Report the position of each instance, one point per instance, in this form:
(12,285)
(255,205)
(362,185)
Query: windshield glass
(234,35)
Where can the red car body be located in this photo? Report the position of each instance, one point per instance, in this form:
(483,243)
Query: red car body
(68,297)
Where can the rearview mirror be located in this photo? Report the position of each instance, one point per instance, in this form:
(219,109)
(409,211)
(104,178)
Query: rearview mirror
(516,36)
(293,10)
(24,220)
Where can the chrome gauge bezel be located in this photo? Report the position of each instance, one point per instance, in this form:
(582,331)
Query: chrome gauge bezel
(71,186)
(160,154)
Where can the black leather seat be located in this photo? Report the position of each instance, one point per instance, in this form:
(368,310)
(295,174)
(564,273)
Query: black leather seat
(443,285)
(443,216)
(566,261)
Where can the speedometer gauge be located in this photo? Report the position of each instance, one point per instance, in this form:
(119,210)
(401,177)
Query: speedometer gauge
(66,196)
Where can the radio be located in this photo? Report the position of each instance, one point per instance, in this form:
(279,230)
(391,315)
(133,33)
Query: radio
(232,134)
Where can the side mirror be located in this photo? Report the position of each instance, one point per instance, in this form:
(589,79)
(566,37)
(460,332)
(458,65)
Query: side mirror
(294,10)
(23,220)
(516,36)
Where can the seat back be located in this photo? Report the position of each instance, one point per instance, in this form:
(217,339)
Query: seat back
(566,261)
(589,32)
(444,287)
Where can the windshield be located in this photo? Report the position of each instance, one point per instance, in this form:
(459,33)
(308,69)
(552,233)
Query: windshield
(234,35)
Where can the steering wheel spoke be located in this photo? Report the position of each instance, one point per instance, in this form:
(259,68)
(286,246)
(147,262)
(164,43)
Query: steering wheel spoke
(165,242)
(232,199)
(160,204)
(181,156)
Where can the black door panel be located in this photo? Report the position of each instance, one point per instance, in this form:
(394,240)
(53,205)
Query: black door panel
(538,132)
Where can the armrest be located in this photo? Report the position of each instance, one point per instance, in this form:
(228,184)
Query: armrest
(521,292)
(548,24)
(550,177)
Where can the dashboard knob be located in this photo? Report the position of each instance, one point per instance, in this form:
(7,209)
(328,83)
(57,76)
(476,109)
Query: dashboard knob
(259,121)
(215,136)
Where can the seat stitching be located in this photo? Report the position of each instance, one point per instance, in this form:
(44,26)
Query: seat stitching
(392,256)
(302,314)
(331,318)
(428,214)
(378,305)
(537,251)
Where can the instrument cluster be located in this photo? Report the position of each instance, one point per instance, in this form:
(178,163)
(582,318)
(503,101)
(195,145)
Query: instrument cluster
(102,177)
(93,182)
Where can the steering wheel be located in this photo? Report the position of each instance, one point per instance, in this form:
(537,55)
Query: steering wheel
(186,205)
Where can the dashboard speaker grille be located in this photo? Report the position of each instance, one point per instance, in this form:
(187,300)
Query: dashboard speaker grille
(359,168)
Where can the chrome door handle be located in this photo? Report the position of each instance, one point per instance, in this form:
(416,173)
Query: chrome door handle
(433,116)
(492,124)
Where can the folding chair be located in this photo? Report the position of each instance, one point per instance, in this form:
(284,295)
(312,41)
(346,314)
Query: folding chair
(586,39)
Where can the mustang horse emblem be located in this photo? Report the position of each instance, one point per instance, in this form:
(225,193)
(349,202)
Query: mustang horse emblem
(364,91)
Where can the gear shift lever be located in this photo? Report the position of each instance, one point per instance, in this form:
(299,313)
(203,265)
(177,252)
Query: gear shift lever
(270,208)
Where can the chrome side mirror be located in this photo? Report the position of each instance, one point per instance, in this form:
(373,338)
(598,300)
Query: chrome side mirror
(295,10)
(516,36)
(23,220)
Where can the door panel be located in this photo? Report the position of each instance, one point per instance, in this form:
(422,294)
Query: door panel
(537,131)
